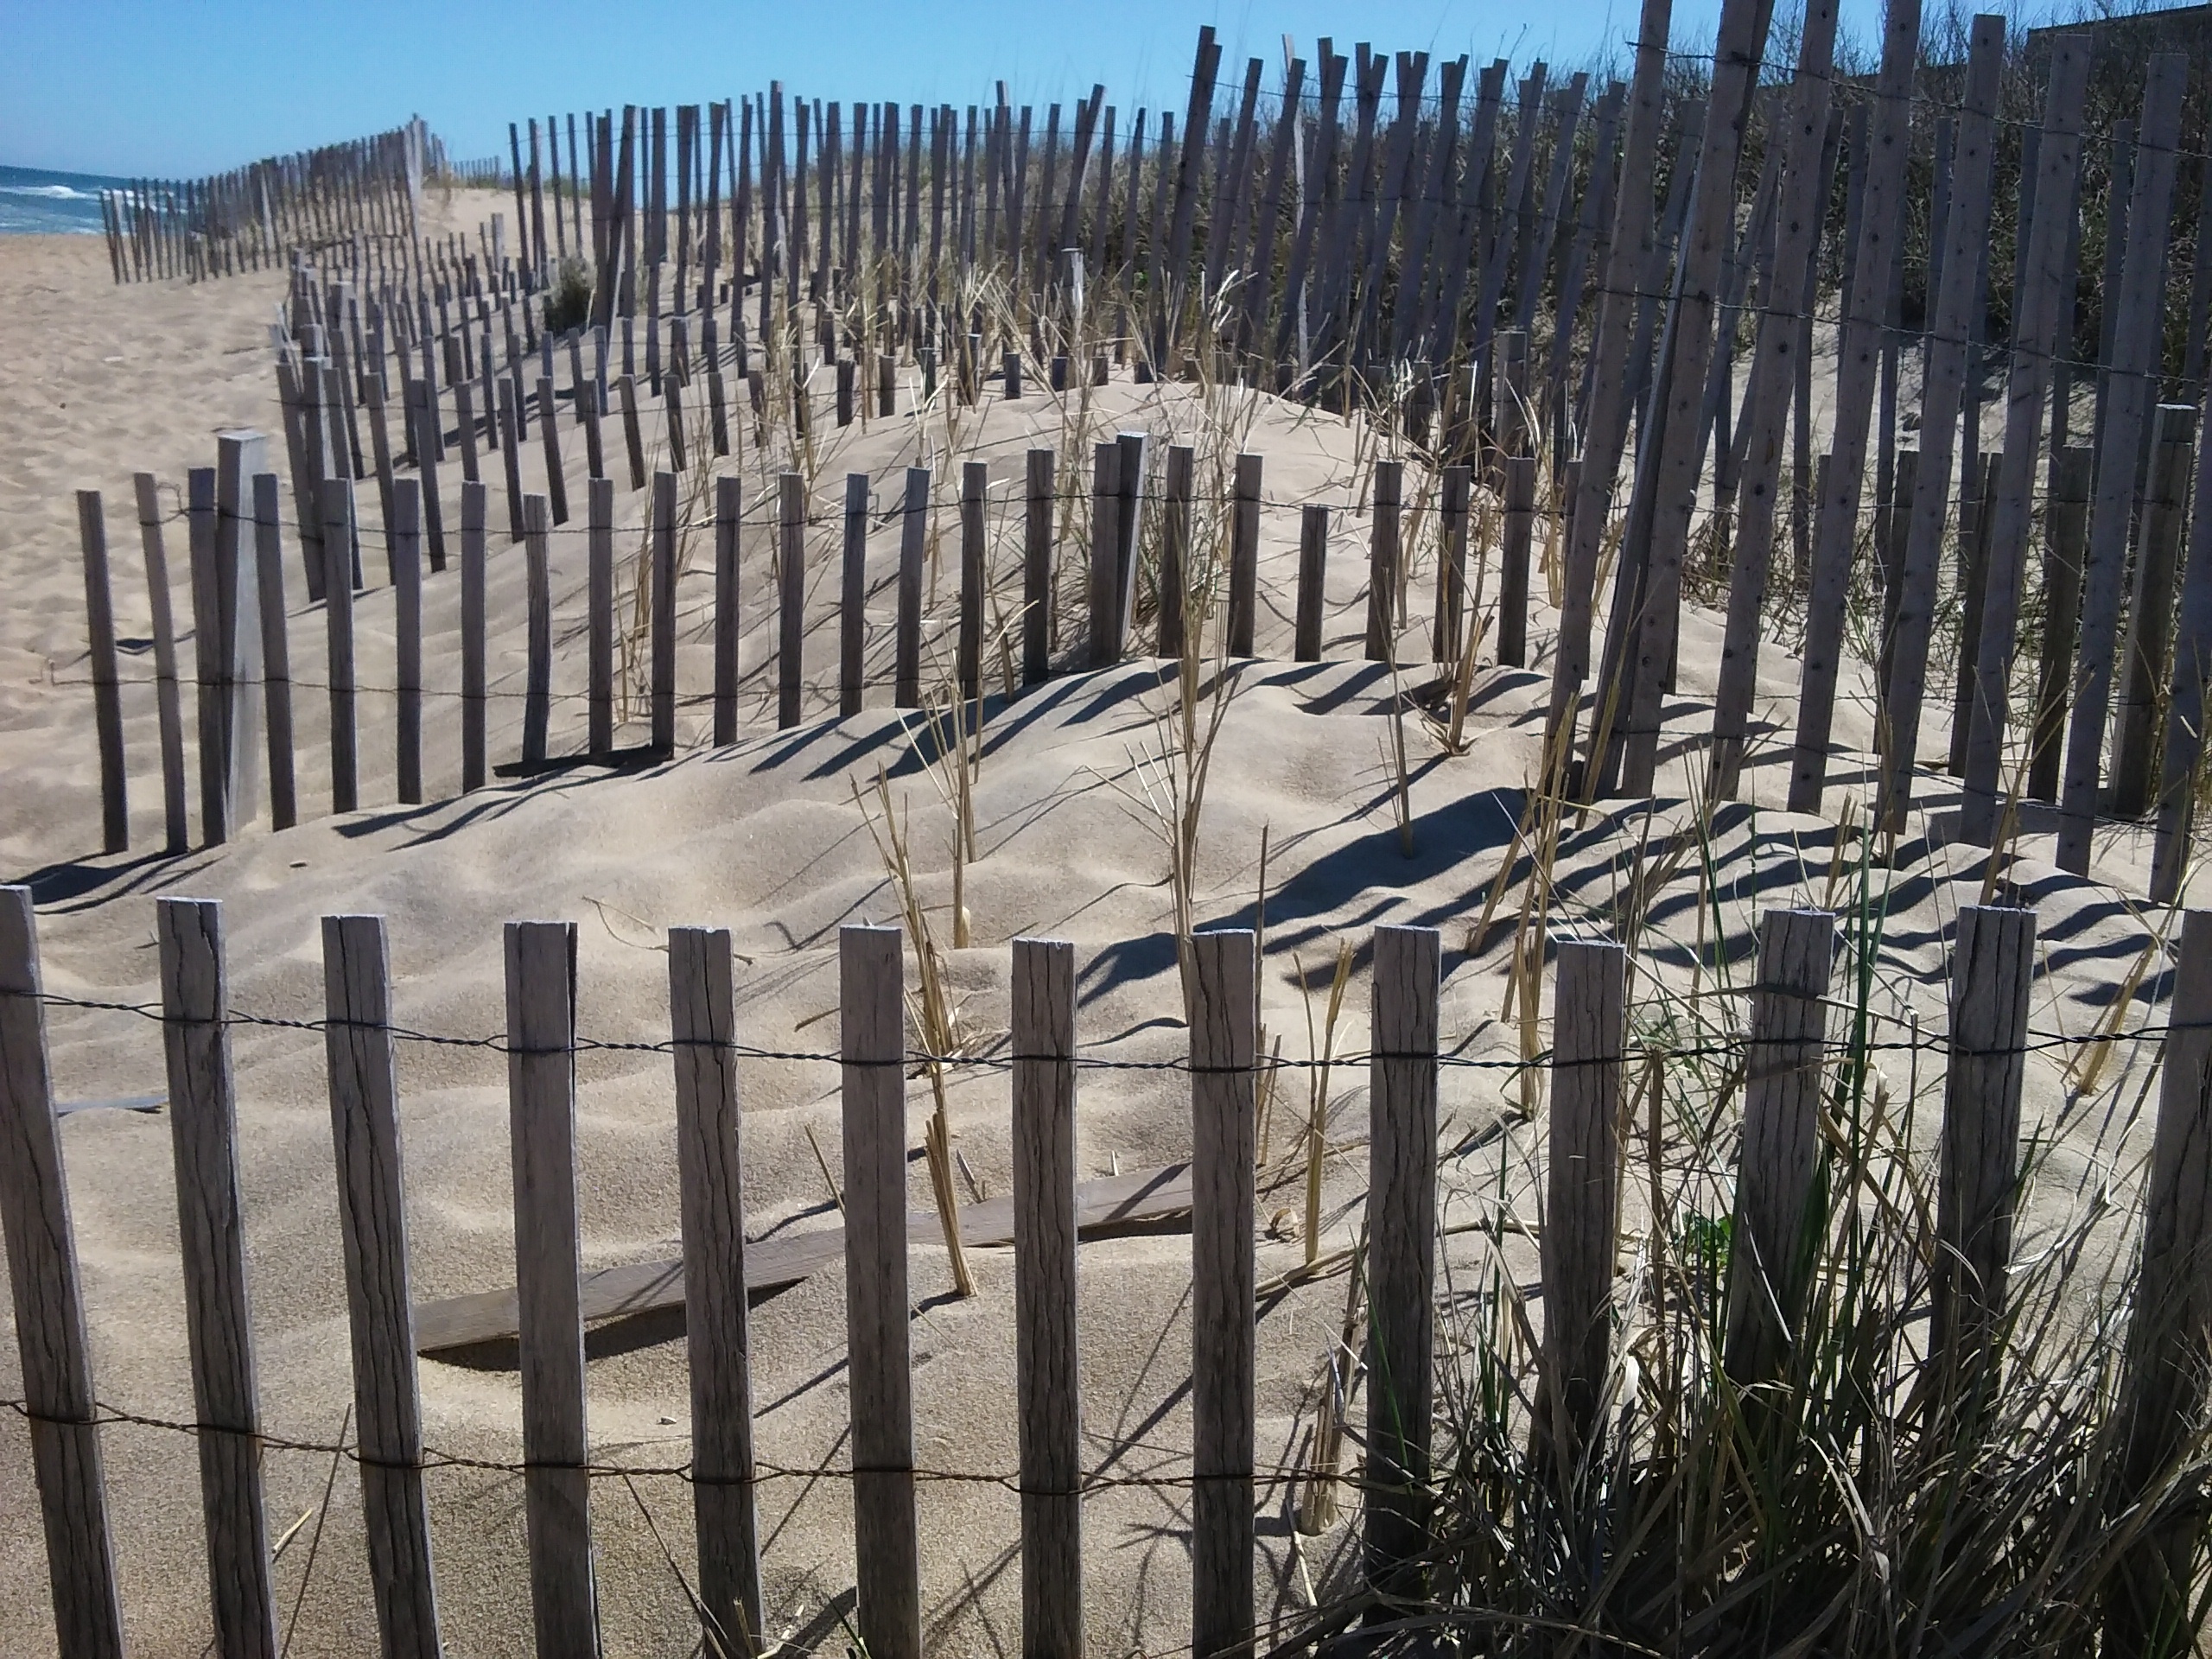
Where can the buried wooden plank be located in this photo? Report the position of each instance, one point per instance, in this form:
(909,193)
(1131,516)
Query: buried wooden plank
(1140,1196)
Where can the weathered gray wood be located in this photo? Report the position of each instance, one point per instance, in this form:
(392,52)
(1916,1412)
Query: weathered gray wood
(974,482)
(1836,519)
(1520,526)
(541,963)
(1244,554)
(548,426)
(790,596)
(633,438)
(1382,555)
(209,702)
(729,509)
(1048,1376)
(1401,1255)
(407,613)
(2147,1610)
(2185,750)
(1037,543)
(663,614)
(203,1125)
(852,604)
(1312,580)
(872,1046)
(1993,963)
(2048,203)
(702,1024)
(1944,388)
(2130,386)
(2066,540)
(598,641)
(58,1399)
(361,1055)
(913,548)
(1222,1012)
(511,456)
(337,620)
(538,684)
(1173,580)
(1105,542)
(1582,1191)
(1448,635)
(2145,658)
(1769,1263)
(474,500)
(107,690)
(169,708)
(275,651)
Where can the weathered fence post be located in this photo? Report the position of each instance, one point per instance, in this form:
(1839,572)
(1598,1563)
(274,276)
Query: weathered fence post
(203,1126)
(407,621)
(873,1053)
(359,1051)
(1244,554)
(1037,571)
(598,636)
(1223,1016)
(791,580)
(702,1021)
(1383,561)
(58,1400)
(1047,1373)
(1781,1141)
(975,481)
(170,710)
(663,614)
(276,656)
(338,619)
(1449,637)
(852,605)
(1582,1194)
(542,1124)
(2145,657)
(1105,543)
(730,508)
(1175,549)
(537,686)
(474,498)
(1401,1255)
(1312,579)
(107,690)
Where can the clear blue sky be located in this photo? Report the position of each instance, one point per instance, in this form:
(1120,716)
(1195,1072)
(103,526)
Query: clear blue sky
(183,87)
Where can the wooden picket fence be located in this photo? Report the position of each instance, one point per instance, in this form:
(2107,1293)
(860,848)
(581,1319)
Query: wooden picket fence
(1784,1054)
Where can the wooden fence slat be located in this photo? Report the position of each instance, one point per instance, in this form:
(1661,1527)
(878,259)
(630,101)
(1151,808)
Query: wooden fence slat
(169,708)
(1520,525)
(599,637)
(107,690)
(729,509)
(1582,1194)
(1223,1015)
(2066,540)
(1175,549)
(537,685)
(2185,703)
(1037,544)
(913,548)
(852,608)
(791,583)
(541,971)
(203,1126)
(1312,579)
(634,438)
(663,614)
(407,613)
(276,650)
(873,1047)
(361,1055)
(1781,1141)
(1048,1369)
(975,485)
(58,1398)
(702,1019)
(1449,633)
(208,701)
(2147,655)
(1382,556)
(337,620)
(474,501)
(1244,554)
(557,482)
(1105,543)
(1401,1255)
(1993,965)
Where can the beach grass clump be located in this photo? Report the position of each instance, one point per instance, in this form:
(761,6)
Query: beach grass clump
(568,301)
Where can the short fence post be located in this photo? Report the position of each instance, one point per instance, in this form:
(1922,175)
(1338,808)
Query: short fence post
(1037,571)
(913,548)
(599,639)
(2164,1389)
(537,685)
(2066,540)
(1105,543)
(874,1051)
(360,1051)
(663,614)
(1047,1369)
(58,1398)
(473,502)
(542,1123)
(729,509)
(1978,1177)
(210,704)
(169,709)
(557,482)
(1513,564)
(974,481)
(1581,1194)
(276,656)
(407,618)
(1401,1255)
(702,1021)
(1383,561)
(337,620)
(1312,579)
(107,690)
(852,604)
(1175,548)
(203,1127)
(1223,1052)
(791,577)
(1244,554)
(1449,637)
(1781,1141)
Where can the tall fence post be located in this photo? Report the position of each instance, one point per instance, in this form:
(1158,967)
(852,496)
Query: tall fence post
(542,1124)
(359,1048)
(275,651)
(1781,1141)
(407,618)
(1978,1177)
(168,710)
(2163,1394)
(1582,1194)
(107,690)
(873,1051)
(702,1022)
(1223,1052)
(58,1400)
(203,1131)
(337,620)
(1401,1255)
(1047,1376)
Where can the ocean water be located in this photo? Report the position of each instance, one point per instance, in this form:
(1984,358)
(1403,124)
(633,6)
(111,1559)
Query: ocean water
(45,203)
